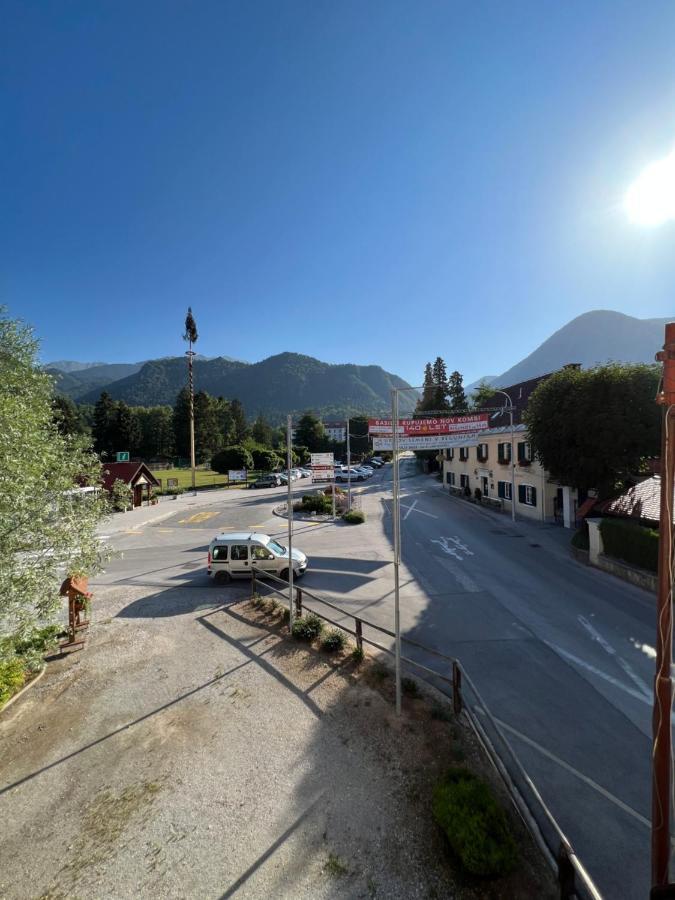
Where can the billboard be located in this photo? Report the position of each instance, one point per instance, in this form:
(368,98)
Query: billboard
(469,424)
(236,475)
(424,441)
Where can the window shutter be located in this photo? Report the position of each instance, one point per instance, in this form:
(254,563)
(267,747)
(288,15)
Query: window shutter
(534,496)
(501,491)
(521,451)
(521,490)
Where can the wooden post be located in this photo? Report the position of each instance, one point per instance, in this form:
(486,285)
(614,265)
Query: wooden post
(456,688)
(253,584)
(298,602)
(359,634)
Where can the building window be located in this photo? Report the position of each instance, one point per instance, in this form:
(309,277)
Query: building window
(524,452)
(464,480)
(527,495)
(450,478)
(482,452)
(504,452)
(463,454)
(504,490)
(450,453)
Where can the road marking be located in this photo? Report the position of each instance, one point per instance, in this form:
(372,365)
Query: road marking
(638,695)
(413,508)
(410,509)
(607,647)
(165,530)
(461,577)
(456,550)
(197,517)
(580,775)
(133,532)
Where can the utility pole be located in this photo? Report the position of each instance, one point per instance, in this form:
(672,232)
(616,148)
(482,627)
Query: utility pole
(396,515)
(289,510)
(349,472)
(663,686)
(191,336)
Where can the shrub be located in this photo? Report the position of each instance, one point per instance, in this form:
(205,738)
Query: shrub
(474,823)
(632,543)
(236,457)
(357,655)
(478,494)
(12,677)
(354,517)
(409,687)
(306,628)
(580,538)
(265,460)
(317,503)
(121,496)
(467,490)
(335,640)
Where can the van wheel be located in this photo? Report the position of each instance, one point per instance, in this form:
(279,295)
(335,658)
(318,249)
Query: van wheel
(284,574)
(223,578)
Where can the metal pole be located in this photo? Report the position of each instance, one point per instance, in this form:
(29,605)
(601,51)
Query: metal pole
(192,419)
(289,440)
(513,468)
(349,472)
(663,687)
(396,512)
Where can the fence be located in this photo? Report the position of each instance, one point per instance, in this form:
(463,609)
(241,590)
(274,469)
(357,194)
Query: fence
(574,880)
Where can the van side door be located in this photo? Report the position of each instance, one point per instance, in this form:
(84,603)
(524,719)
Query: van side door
(239,562)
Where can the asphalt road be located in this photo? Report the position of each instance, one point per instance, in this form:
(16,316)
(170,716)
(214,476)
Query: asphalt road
(562,654)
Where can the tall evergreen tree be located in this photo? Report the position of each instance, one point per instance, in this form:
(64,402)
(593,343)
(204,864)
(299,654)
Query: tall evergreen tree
(181,423)
(441,388)
(104,427)
(66,416)
(261,432)
(126,432)
(310,433)
(223,413)
(208,437)
(427,399)
(241,429)
(458,402)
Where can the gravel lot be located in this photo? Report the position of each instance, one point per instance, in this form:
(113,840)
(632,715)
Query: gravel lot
(192,751)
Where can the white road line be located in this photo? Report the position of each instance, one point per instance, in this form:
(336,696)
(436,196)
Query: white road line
(638,695)
(410,509)
(580,775)
(607,647)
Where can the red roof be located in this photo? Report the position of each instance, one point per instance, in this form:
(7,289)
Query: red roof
(128,472)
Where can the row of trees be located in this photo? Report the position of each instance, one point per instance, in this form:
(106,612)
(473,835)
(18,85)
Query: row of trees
(440,393)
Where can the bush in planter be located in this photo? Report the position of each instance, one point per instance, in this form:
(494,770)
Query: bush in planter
(317,503)
(580,538)
(467,490)
(308,627)
(335,640)
(632,543)
(474,824)
(354,517)
(477,494)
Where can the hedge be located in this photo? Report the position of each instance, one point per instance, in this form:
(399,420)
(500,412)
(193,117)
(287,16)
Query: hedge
(631,543)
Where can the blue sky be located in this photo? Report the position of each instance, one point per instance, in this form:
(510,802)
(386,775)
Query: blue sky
(369,182)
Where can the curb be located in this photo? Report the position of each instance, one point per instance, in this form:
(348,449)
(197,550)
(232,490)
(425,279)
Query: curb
(23,690)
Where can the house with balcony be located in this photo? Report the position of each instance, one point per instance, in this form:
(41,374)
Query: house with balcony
(499,462)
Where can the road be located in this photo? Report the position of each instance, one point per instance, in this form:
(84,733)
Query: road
(562,654)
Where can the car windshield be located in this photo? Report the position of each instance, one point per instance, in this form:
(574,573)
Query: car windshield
(276,548)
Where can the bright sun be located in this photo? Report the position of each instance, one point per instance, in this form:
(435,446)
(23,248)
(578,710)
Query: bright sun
(650,200)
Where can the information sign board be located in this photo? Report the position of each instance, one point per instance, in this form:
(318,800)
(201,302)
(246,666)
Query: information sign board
(122,456)
(236,475)
(424,442)
(172,482)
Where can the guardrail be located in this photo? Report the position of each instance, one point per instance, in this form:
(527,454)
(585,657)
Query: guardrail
(575,882)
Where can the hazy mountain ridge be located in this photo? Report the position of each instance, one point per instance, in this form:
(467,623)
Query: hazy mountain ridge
(287,382)
(591,339)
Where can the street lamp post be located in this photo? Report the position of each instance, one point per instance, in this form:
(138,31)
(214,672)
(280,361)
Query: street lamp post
(513,458)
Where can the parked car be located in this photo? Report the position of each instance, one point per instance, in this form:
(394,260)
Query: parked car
(231,555)
(266,481)
(305,473)
(343,475)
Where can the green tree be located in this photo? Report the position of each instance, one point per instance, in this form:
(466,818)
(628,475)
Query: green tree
(104,428)
(236,457)
(126,429)
(45,529)
(590,428)
(261,432)
(310,433)
(181,423)
(156,427)
(225,420)
(360,441)
(208,437)
(482,394)
(240,425)
(458,402)
(441,388)
(66,416)
(265,460)
(121,496)
(427,400)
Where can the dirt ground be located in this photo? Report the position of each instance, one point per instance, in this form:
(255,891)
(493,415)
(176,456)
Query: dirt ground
(193,750)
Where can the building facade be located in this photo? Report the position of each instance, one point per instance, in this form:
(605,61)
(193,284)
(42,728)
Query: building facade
(499,463)
(336,431)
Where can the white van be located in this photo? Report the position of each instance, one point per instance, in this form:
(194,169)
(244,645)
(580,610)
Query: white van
(232,554)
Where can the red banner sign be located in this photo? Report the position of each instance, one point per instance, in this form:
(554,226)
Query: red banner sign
(441,425)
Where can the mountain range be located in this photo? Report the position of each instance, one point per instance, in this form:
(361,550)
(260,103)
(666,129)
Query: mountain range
(291,382)
(285,383)
(591,339)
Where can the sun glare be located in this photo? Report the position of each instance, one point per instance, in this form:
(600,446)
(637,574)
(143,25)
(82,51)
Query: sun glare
(650,200)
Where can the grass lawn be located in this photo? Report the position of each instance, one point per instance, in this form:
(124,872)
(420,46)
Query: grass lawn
(203,477)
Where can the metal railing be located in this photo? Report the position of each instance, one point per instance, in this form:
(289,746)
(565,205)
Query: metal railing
(574,880)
